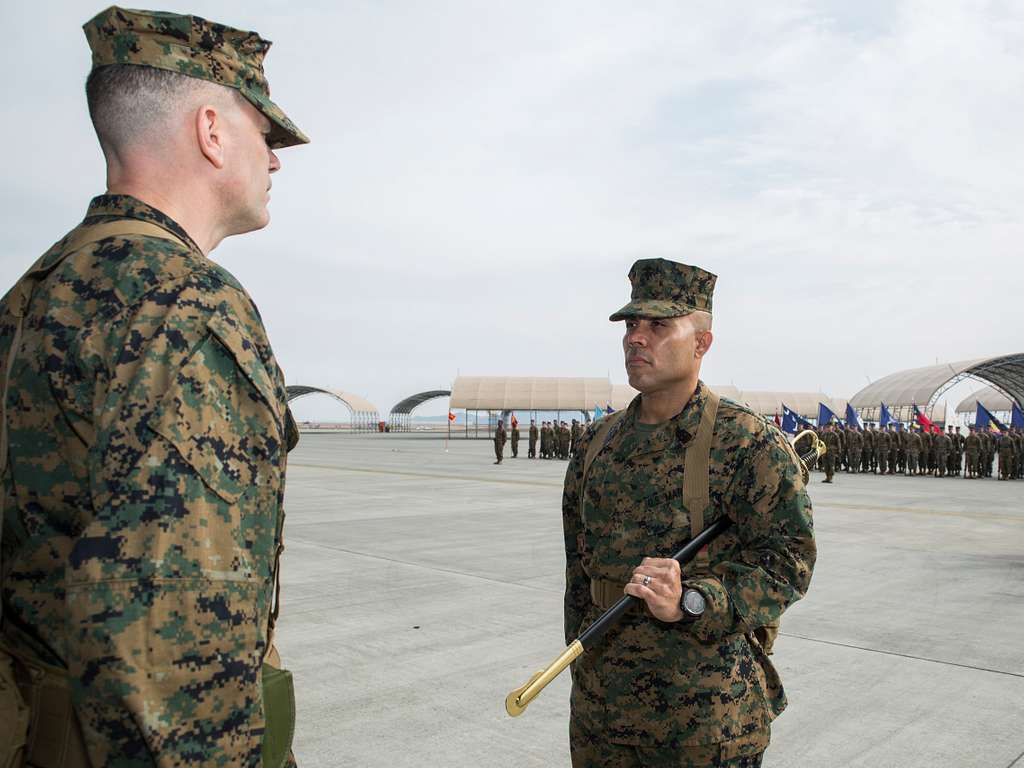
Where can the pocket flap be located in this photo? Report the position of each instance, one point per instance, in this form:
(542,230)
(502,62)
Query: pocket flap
(219,414)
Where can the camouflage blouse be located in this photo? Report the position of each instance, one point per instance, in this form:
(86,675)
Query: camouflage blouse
(708,681)
(148,436)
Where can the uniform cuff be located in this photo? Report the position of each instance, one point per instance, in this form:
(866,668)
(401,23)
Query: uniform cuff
(718,619)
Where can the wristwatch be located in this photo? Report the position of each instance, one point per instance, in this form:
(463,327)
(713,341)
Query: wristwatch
(692,604)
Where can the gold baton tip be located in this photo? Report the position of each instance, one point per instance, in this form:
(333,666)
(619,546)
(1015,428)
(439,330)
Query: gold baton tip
(517,701)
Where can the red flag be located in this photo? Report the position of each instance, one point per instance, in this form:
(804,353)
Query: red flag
(515,421)
(923,420)
(451,416)
(778,421)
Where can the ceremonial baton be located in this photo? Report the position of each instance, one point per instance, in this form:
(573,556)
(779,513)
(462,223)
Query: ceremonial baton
(517,701)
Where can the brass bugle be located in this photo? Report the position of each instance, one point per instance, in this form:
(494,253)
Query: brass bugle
(818,449)
(517,701)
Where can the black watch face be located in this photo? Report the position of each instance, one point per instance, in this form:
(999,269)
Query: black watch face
(693,602)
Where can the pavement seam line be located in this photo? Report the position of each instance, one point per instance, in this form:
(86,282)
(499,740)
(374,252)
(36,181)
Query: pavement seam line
(541,484)
(1016,761)
(905,656)
(462,478)
(419,565)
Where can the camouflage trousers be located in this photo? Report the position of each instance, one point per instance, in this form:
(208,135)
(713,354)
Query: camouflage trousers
(592,751)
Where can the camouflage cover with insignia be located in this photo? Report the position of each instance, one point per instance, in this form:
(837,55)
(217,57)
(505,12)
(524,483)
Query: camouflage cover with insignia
(143,507)
(689,684)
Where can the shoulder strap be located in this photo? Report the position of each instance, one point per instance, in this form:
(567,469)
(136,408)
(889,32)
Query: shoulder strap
(596,444)
(696,481)
(21,296)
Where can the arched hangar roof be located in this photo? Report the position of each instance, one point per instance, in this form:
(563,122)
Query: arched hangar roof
(770,403)
(923,386)
(354,403)
(990,397)
(412,402)
(537,393)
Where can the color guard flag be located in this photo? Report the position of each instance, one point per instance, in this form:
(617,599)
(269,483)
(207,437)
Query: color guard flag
(608,408)
(985,420)
(598,413)
(778,421)
(825,415)
(852,418)
(451,416)
(887,418)
(515,421)
(1017,417)
(792,422)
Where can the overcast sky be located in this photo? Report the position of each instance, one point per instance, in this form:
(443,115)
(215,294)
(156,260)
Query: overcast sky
(482,175)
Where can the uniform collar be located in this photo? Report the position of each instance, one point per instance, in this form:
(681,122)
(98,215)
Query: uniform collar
(106,207)
(677,431)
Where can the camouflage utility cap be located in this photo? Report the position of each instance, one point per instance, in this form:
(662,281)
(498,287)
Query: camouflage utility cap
(195,47)
(663,288)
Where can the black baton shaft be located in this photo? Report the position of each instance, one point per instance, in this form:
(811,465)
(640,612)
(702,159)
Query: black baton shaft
(592,634)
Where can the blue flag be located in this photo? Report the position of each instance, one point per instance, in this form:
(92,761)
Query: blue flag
(886,418)
(985,420)
(793,422)
(598,413)
(608,408)
(852,418)
(826,416)
(1017,417)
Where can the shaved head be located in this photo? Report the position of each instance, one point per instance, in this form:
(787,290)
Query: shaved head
(133,105)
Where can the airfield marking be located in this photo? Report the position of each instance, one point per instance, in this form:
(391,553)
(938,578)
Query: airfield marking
(1016,761)
(904,655)
(541,484)
(401,473)
(423,566)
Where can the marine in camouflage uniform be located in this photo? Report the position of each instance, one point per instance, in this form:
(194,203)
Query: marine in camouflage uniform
(515,440)
(867,457)
(882,439)
(913,451)
(146,432)
(854,444)
(690,691)
(942,448)
(831,440)
(972,450)
(500,437)
(532,450)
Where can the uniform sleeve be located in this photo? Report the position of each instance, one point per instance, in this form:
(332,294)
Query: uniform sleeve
(771,569)
(169,585)
(577,583)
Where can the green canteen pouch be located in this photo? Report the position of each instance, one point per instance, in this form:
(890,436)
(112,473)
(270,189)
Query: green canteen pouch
(14,716)
(279,714)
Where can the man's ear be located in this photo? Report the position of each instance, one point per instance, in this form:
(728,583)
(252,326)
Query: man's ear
(704,340)
(210,134)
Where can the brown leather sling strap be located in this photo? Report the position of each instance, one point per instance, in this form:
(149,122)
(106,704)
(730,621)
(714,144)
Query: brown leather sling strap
(696,489)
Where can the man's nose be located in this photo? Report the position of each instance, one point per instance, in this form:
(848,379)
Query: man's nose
(275,163)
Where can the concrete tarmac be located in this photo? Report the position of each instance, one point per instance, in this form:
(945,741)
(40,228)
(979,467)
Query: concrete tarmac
(420,586)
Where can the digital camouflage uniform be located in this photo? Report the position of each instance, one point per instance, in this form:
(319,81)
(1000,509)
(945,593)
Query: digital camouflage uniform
(515,441)
(500,437)
(701,693)
(143,506)
(532,449)
(831,440)
(143,486)
(653,684)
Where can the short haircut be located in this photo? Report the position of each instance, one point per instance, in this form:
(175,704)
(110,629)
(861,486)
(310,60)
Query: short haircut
(701,320)
(126,101)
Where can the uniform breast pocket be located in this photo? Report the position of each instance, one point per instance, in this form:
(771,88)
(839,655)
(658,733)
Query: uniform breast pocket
(220,414)
(661,517)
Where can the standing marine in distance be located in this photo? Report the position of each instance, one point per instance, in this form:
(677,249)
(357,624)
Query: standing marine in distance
(685,680)
(145,426)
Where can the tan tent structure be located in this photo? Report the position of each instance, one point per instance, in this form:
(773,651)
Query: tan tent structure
(990,397)
(924,386)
